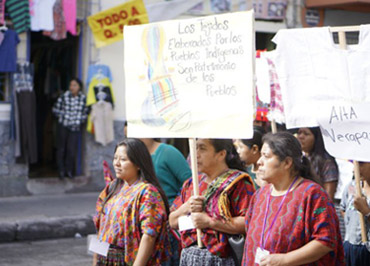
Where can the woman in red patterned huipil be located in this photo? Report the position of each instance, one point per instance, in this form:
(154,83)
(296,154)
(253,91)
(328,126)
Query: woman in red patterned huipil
(225,192)
(290,221)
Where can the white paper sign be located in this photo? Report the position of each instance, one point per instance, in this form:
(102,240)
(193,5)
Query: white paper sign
(191,78)
(346,130)
(185,223)
(98,247)
(260,254)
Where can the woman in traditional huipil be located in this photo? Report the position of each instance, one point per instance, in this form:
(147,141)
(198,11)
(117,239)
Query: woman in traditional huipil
(290,221)
(132,210)
(323,164)
(225,192)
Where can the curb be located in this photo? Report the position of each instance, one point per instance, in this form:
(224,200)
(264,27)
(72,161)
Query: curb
(37,229)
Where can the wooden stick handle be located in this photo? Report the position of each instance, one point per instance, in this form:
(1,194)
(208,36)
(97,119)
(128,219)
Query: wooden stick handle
(359,193)
(343,45)
(95,259)
(273,126)
(194,171)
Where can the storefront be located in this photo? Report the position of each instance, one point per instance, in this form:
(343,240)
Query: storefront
(47,61)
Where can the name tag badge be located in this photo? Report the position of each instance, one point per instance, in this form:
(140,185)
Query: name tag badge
(99,247)
(185,223)
(260,253)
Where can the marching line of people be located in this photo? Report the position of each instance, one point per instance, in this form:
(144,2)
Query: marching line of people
(275,189)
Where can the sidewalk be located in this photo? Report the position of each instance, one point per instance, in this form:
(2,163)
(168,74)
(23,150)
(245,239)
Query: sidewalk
(46,216)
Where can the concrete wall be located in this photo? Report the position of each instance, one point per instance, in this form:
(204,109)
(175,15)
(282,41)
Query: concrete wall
(95,153)
(13,176)
(345,18)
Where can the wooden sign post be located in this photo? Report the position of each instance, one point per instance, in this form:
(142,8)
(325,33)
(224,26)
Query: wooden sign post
(194,172)
(343,45)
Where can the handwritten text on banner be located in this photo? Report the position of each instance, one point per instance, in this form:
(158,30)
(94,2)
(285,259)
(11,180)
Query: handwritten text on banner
(191,78)
(346,131)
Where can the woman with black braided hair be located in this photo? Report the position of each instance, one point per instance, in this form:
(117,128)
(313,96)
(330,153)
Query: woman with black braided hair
(219,210)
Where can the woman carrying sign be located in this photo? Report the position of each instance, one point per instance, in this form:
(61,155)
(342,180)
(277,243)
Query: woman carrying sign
(356,252)
(131,212)
(290,221)
(225,192)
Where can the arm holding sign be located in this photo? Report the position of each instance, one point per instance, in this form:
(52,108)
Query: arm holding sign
(193,204)
(361,205)
(235,226)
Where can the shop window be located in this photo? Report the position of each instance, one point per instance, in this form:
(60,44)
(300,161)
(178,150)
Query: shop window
(351,37)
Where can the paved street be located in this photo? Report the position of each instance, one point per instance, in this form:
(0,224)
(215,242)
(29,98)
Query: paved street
(56,252)
(46,216)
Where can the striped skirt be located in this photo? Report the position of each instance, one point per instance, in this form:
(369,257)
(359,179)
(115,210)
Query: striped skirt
(193,255)
(115,257)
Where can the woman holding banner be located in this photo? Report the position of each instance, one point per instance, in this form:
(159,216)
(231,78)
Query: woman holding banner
(225,192)
(356,252)
(323,163)
(131,212)
(290,221)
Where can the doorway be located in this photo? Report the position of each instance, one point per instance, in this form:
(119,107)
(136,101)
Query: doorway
(55,63)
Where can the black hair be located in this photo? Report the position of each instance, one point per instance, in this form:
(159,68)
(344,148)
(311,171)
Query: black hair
(232,157)
(139,155)
(79,82)
(319,155)
(258,133)
(284,145)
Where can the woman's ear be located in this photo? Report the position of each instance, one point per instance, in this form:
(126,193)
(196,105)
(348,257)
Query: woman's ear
(222,155)
(288,163)
(255,149)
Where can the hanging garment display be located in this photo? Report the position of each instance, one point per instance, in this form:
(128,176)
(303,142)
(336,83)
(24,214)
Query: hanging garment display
(26,101)
(102,118)
(8,51)
(98,71)
(42,15)
(59,32)
(20,14)
(100,86)
(1,37)
(276,103)
(22,82)
(313,71)
(99,89)
(69,10)
(2,11)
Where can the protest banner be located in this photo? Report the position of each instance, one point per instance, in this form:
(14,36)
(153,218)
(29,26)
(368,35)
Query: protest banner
(348,124)
(107,26)
(191,78)
(346,130)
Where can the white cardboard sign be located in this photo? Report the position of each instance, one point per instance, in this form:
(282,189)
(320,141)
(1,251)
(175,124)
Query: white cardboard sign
(191,78)
(346,130)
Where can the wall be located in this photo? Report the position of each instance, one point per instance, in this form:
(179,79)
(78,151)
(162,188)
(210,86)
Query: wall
(345,18)
(13,176)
